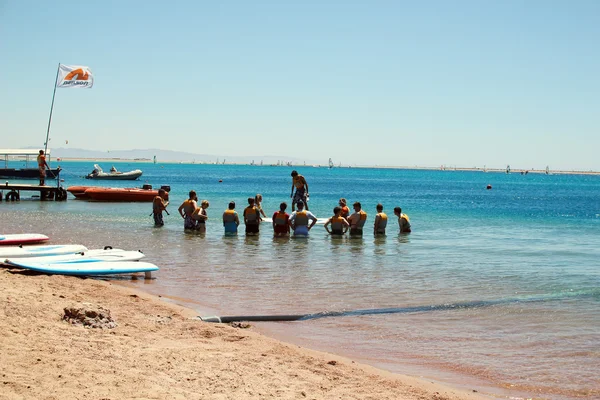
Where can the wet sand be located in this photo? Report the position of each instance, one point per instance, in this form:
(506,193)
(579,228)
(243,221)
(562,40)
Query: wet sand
(160,350)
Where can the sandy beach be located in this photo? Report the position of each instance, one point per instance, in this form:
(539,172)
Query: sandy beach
(159,350)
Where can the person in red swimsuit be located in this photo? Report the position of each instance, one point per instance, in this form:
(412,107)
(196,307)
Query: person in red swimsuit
(281,221)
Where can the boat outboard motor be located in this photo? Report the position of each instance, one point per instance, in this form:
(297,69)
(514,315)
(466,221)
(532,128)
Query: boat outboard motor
(166,188)
(146,186)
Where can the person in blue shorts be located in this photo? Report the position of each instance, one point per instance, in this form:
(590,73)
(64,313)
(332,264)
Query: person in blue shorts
(231,221)
(302,220)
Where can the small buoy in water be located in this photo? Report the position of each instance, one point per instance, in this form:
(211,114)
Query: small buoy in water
(489,187)
(220,180)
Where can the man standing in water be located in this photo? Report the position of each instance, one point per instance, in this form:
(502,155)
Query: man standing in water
(339,225)
(187,208)
(380,221)
(251,218)
(42,165)
(301,194)
(403,220)
(357,220)
(159,204)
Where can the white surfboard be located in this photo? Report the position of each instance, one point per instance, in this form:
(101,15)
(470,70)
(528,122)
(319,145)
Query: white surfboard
(320,221)
(39,251)
(89,268)
(23,238)
(111,255)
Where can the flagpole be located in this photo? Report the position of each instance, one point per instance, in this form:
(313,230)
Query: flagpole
(51,108)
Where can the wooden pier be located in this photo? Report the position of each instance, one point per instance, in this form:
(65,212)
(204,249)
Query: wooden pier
(10,192)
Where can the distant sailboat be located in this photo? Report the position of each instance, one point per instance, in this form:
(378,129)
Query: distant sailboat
(154,159)
(330,163)
(484,168)
(547,170)
(508,169)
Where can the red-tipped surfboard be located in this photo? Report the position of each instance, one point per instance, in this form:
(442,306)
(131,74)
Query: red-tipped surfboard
(24,238)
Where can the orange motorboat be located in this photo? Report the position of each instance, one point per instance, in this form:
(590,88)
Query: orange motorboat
(121,194)
(144,194)
(79,191)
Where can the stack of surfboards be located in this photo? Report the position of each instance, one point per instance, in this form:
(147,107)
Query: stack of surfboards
(75,260)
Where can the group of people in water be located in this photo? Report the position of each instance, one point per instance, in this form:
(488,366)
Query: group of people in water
(298,223)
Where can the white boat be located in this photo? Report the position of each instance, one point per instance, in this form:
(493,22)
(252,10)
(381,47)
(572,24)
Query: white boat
(113,175)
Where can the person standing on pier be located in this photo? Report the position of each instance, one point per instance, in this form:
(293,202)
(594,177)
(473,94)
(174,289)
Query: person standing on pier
(42,165)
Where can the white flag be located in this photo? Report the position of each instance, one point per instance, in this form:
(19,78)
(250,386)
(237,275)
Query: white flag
(74,76)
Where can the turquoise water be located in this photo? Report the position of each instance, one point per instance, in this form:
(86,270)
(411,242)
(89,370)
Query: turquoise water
(494,289)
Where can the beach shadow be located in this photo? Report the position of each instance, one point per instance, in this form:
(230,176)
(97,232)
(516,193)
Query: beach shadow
(252,240)
(379,243)
(25,272)
(121,277)
(337,240)
(357,244)
(280,240)
(403,237)
(190,234)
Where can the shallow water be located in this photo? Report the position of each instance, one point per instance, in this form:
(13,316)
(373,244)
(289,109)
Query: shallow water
(496,289)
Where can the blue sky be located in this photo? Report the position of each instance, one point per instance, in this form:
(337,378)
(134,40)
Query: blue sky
(466,83)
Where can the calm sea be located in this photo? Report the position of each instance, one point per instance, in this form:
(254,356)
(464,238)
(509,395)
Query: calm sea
(497,289)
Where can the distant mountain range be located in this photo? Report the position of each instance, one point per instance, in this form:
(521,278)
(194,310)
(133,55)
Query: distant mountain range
(175,156)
